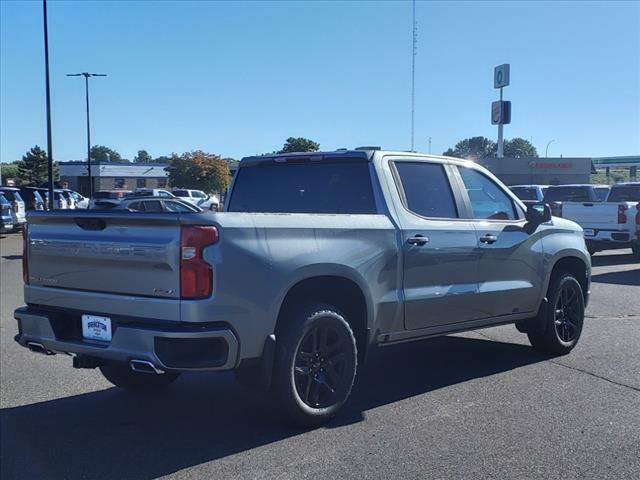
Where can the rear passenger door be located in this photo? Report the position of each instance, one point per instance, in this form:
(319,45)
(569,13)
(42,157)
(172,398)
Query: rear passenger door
(510,259)
(439,248)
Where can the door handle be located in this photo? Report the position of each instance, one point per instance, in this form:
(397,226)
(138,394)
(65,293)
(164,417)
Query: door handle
(489,238)
(417,240)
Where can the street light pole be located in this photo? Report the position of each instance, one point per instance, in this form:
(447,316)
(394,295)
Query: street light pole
(86,76)
(546,150)
(52,203)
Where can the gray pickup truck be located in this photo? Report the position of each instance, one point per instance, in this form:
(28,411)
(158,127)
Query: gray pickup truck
(316,259)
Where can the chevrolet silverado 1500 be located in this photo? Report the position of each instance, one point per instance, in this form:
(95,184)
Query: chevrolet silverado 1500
(316,259)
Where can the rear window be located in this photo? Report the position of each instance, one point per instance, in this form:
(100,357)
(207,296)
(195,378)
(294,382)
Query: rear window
(525,193)
(624,193)
(181,193)
(601,193)
(568,194)
(3,200)
(323,187)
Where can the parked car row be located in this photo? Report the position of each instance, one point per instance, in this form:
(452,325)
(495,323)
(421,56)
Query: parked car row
(112,198)
(608,215)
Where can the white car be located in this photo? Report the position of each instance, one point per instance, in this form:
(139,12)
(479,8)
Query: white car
(152,192)
(80,201)
(198,198)
(18,211)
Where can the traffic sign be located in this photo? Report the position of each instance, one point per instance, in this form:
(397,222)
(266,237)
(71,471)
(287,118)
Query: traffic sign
(500,112)
(501,76)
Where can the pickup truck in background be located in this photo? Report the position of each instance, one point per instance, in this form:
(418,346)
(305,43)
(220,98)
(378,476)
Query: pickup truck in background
(529,193)
(608,225)
(317,259)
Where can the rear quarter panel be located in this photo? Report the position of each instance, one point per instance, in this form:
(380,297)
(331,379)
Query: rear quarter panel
(260,257)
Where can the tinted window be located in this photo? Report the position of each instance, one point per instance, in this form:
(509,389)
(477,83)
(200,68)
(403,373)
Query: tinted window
(568,194)
(3,200)
(12,195)
(177,207)
(601,193)
(426,189)
(323,187)
(525,193)
(488,200)
(137,206)
(164,194)
(625,193)
(152,206)
(181,193)
(118,183)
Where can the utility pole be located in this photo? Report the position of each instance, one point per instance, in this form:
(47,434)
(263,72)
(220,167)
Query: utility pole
(86,76)
(52,202)
(429,145)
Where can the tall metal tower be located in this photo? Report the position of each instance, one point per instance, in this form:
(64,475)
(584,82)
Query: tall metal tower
(413,75)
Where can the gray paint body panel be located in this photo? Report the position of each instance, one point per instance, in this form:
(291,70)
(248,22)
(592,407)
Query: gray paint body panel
(452,283)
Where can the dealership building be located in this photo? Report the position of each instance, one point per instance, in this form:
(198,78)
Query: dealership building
(540,171)
(113,176)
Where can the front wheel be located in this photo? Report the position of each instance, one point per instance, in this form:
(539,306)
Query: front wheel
(559,324)
(316,362)
(122,376)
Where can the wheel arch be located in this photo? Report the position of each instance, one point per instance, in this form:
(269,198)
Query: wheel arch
(344,293)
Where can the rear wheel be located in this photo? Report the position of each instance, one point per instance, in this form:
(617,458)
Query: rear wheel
(316,362)
(559,324)
(122,376)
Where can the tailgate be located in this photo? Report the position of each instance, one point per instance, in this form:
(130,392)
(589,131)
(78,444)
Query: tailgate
(107,252)
(591,214)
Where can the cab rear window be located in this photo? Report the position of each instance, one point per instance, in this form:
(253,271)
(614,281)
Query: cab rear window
(322,187)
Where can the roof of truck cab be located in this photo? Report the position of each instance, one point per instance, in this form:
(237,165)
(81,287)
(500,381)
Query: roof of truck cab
(367,155)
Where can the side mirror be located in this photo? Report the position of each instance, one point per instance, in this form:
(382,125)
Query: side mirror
(538,213)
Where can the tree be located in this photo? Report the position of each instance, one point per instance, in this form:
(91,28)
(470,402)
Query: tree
(101,153)
(162,159)
(33,169)
(299,144)
(519,148)
(473,148)
(199,170)
(143,157)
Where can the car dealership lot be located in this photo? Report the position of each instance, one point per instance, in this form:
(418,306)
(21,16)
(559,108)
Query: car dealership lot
(480,404)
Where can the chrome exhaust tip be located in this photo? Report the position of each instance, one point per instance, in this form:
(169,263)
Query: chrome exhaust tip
(145,366)
(39,348)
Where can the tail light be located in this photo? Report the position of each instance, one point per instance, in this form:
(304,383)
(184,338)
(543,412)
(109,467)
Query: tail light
(25,258)
(622,213)
(556,209)
(196,275)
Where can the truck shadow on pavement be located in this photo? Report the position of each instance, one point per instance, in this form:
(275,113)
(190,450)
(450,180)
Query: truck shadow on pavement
(113,434)
(627,277)
(602,260)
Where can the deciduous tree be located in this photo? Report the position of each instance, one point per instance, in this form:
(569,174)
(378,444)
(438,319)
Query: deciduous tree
(199,170)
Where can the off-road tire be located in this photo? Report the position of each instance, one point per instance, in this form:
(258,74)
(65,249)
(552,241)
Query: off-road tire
(311,384)
(558,326)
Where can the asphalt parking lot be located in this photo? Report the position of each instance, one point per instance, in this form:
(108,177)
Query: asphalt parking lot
(477,405)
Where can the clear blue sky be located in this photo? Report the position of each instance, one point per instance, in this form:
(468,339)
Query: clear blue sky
(238,78)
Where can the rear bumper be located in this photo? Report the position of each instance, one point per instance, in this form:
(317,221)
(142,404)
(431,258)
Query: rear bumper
(610,239)
(177,349)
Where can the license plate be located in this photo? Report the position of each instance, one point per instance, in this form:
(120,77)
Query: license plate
(589,232)
(96,328)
